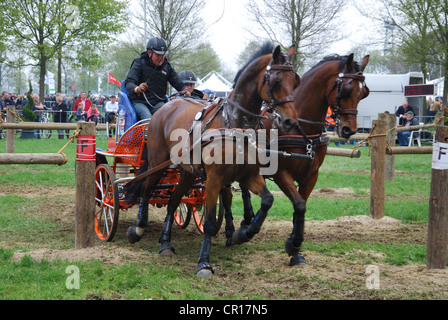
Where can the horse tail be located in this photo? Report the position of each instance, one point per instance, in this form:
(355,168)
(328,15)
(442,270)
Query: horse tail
(134,188)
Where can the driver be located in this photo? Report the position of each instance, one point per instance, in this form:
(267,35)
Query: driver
(148,78)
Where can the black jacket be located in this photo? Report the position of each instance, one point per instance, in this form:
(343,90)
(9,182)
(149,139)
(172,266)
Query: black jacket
(157,78)
(59,116)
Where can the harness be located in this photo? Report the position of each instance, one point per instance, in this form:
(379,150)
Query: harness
(222,105)
(342,90)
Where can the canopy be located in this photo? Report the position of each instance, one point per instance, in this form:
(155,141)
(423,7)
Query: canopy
(215,82)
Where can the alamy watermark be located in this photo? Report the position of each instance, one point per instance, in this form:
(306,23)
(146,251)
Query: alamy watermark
(73,19)
(373,278)
(72,281)
(229,146)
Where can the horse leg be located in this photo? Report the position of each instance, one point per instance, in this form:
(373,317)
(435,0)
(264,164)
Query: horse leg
(214,186)
(226,199)
(246,232)
(185,183)
(135,233)
(294,243)
(247,204)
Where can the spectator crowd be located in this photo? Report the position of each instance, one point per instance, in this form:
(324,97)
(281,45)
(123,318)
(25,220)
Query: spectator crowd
(66,108)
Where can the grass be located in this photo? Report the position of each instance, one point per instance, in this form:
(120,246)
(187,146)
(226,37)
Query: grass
(28,223)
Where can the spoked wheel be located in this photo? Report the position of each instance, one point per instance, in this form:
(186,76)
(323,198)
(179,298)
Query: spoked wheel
(46,133)
(199,215)
(182,216)
(107,204)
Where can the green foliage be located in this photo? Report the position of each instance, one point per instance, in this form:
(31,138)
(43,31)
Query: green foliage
(28,114)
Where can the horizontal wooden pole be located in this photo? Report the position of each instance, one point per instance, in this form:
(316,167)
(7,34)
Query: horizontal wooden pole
(340,152)
(357,136)
(33,158)
(409,150)
(415,128)
(50,126)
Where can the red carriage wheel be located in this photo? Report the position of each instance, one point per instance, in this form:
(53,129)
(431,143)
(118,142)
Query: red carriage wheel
(107,204)
(199,215)
(182,216)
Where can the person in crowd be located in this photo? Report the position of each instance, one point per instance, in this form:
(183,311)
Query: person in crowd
(81,114)
(84,100)
(331,123)
(5,101)
(111,111)
(401,112)
(403,137)
(93,114)
(37,109)
(60,112)
(148,77)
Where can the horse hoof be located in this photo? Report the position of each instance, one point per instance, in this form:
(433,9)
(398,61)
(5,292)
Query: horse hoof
(290,249)
(166,250)
(132,235)
(297,260)
(167,253)
(204,273)
(204,270)
(229,243)
(239,236)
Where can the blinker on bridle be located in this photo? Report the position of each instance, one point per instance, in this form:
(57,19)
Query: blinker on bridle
(343,91)
(270,79)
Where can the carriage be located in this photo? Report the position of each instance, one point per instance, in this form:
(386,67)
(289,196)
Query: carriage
(120,163)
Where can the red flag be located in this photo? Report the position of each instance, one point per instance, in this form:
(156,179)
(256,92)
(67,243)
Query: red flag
(72,87)
(112,79)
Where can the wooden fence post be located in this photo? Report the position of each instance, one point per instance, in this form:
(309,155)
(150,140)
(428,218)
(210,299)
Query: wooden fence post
(391,123)
(10,134)
(85,186)
(438,204)
(378,169)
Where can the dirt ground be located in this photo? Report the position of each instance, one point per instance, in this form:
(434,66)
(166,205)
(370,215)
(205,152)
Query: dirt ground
(412,281)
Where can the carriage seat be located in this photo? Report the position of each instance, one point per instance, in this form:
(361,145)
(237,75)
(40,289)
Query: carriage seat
(125,103)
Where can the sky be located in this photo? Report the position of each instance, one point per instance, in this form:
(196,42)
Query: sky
(226,21)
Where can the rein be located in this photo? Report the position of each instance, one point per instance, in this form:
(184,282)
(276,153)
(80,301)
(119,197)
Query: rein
(270,79)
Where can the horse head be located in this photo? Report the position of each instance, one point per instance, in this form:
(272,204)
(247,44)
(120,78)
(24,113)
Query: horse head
(347,90)
(280,81)
(268,78)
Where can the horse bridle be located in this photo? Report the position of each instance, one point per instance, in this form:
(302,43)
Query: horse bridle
(342,91)
(270,79)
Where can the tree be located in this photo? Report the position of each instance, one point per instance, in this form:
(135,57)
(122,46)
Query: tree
(46,27)
(422,31)
(439,27)
(201,60)
(175,21)
(307,24)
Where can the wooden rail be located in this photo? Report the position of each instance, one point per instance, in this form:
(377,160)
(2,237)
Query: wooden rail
(33,158)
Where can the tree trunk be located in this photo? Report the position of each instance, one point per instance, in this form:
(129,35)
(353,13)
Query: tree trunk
(43,70)
(59,88)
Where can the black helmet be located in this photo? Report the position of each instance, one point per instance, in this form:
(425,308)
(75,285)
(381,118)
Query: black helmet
(187,77)
(157,45)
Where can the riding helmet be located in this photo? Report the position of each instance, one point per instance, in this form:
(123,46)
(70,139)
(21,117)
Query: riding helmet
(157,45)
(188,76)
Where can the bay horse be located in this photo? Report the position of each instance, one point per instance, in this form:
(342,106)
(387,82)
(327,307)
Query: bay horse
(268,77)
(336,82)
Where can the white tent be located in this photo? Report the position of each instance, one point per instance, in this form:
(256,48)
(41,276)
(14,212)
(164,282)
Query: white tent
(217,83)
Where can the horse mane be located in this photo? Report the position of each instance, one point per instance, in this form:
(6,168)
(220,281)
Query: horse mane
(265,49)
(330,58)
